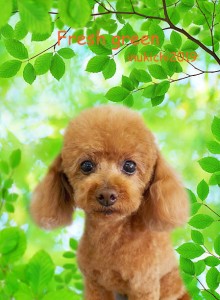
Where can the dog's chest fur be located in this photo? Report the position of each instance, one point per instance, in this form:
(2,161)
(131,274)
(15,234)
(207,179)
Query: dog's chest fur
(109,254)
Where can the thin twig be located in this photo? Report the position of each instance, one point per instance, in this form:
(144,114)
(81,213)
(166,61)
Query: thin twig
(132,6)
(212,26)
(101,4)
(128,13)
(53,46)
(112,7)
(204,15)
(210,207)
(205,288)
(207,251)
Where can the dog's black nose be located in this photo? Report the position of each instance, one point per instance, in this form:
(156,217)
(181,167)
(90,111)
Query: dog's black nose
(106,197)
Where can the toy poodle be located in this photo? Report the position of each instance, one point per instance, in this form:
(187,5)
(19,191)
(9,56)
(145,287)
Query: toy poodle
(111,168)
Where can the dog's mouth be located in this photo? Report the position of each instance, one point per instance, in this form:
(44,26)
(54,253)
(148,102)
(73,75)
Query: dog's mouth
(106,211)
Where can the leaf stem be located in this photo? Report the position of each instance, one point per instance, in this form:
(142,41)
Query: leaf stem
(206,288)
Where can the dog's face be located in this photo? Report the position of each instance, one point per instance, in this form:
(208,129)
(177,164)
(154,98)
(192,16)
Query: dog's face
(108,158)
(110,167)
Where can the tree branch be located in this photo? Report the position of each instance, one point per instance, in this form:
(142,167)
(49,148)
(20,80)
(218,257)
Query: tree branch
(205,288)
(132,6)
(212,26)
(53,46)
(128,13)
(184,32)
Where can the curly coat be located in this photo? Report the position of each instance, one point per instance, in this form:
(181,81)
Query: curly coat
(125,249)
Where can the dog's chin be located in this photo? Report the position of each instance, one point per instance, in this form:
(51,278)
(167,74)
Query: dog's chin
(107,212)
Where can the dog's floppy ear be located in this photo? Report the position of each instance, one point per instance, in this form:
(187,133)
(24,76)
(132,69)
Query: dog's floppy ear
(165,203)
(52,204)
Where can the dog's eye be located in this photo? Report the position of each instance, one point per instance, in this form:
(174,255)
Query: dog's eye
(129,167)
(87,167)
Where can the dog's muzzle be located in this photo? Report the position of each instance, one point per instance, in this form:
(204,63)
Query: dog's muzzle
(106,197)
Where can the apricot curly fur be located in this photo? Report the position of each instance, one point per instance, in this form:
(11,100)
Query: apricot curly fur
(125,249)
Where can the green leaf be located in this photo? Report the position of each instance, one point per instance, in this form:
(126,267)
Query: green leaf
(15,158)
(203,190)
(201,221)
(100,49)
(157,71)
(38,37)
(212,261)
(157,32)
(57,68)
(192,196)
(189,46)
(9,207)
(130,51)
(197,237)
(129,100)
(10,68)
(7,31)
(40,271)
(70,267)
(42,63)
(189,3)
(124,5)
(17,252)
(194,30)
(149,91)
(127,32)
(61,294)
(195,207)
(215,127)
(8,183)
(4,167)
(149,50)
(9,239)
(74,13)
(209,295)
(215,179)
(214,147)
(127,83)
(34,14)
(212,278)
(66,53)
(176,39)
(157,100)
(20,31)
(199,267)
(187,265)
(173,15)
(29,73)
(190,250)
(217,245)
(73,244)
(110,69)
(6,10)
(210,164)
(16,49)
(97,63)
(12,197)
(141,75)
(162,88)
(117,94)
(24,292)
(69,254)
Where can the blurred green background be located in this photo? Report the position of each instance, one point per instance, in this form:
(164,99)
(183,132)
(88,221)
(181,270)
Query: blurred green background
(33,119)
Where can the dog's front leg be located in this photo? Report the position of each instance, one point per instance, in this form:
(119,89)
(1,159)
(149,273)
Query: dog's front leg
(93,291)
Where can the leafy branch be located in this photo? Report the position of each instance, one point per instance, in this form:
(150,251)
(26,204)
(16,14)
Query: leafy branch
(104,61)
